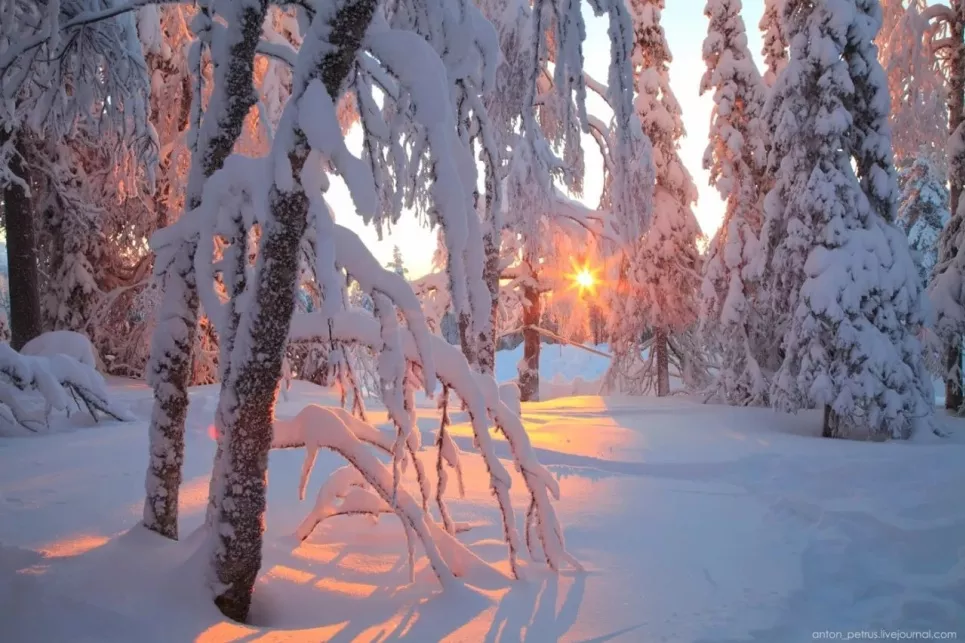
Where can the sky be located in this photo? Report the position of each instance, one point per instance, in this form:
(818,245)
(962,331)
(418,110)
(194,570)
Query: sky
(685,26)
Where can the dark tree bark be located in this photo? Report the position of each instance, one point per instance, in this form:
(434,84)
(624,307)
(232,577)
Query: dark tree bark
(487,343)
(24,275)
(171,350)
(264,328)
(829,428)
(662,355)
(529,373)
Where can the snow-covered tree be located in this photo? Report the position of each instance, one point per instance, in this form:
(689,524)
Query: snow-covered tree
(919,112)
(923,210)
(947,289)
(44,48)
(838,263)
(664,272)
(735,158)
(211,141)
(775,41)
(397,265)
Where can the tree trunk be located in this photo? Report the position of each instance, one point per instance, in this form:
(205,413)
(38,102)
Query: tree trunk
(23,272)
(263,329)
(529,370)
(829,429)
(956,96)
(663,362)
(169,370)
(953,383)
(487,343)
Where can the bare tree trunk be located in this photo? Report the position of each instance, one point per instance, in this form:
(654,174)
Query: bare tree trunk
(529,371)
(487,343)
(663,361)
(831,425)
(25,317)
(171,350)
(956,95)
(264,330)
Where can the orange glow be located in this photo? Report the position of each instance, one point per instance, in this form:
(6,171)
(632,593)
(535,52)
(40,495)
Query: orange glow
(73,546)
(224,633)
(584,278)
(347,588)
(290,574)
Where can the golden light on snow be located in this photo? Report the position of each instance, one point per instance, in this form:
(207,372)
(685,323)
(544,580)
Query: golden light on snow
(73,546)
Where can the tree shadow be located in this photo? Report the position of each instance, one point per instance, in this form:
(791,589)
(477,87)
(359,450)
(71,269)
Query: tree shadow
(528,610)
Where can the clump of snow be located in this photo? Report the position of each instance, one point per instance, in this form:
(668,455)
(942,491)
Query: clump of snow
(33,386)
(63,342)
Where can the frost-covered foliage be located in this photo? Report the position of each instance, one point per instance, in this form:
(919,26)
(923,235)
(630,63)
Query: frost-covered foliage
(34,383)
(947,290)
(428,65)
(923,211)
(210,140)
(839,270)
(537,114)
(46,47)
(775,41)
(735,158)
(917,89)
(662,273)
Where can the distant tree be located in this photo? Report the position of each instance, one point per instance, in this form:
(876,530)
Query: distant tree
(923,211)
(397,265)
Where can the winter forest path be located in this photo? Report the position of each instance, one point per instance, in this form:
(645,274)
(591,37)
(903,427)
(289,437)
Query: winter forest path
(695,523)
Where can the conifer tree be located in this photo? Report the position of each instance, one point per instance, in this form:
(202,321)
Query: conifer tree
(734,156)
(667,257)
(838,265)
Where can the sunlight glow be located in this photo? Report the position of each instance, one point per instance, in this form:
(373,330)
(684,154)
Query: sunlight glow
(584,278)
(73,546)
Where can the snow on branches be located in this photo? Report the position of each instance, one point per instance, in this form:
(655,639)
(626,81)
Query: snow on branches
(735,158)
(839,270)
(53,378)
(775,41)
(662,273)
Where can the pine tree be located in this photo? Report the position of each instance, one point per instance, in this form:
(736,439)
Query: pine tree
(842,268)
(397,265)
(923,211)
(668,255)
(775,41)
(734,156)
(947,289)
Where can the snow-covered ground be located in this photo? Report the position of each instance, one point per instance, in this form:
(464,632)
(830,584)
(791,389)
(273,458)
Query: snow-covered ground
(564,370)
(694,523)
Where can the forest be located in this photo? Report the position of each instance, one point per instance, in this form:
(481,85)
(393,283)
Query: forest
(172,201)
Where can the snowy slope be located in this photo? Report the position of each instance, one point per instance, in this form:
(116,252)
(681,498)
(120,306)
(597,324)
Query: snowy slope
(695,523)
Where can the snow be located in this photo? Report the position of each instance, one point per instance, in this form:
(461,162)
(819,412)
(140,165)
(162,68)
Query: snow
(694,522)
(64,342)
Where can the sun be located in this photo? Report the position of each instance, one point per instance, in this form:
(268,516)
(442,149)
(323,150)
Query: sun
(584,279)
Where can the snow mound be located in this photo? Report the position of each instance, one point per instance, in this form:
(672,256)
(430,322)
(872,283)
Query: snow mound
(62,342)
